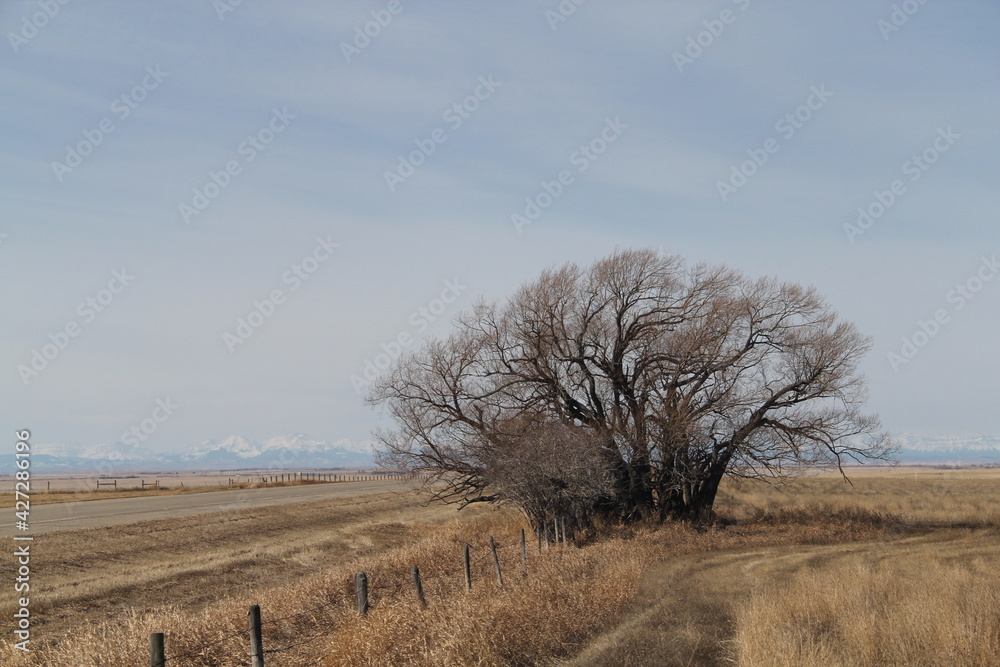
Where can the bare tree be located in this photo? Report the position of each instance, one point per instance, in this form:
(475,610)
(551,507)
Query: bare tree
(549,470)
(659,377)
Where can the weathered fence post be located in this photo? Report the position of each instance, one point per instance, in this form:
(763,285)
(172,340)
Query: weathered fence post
(496,561)
(361,592)
(415,572)
(524,550)
(256,641)
(157,656)
(468,569)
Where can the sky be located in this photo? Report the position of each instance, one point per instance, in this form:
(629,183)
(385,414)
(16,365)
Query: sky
(218,215)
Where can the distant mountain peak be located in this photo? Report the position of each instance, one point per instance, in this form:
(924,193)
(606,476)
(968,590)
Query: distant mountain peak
(234,451)
(952,449)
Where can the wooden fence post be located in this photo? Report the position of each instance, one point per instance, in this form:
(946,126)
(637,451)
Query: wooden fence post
(256,641)
(468,569)
(415,572)
(524,550)
(361,592)
(496,561)
(157,657)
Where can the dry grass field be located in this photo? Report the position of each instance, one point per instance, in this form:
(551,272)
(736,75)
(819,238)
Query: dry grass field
(900,569)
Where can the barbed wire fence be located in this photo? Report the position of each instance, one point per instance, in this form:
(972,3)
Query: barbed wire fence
(250,642)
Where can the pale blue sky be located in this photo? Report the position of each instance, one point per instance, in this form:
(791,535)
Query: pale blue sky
(555,90)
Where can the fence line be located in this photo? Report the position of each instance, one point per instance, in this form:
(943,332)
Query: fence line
(284,478)
(255,636)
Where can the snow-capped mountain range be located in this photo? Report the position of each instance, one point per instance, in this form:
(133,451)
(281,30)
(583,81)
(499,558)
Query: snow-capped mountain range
(299,451)
(295,451)
(953,450)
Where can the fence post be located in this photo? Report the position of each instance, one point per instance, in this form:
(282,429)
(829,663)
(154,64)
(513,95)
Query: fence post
(157,657)
(524,549)
(256,641)
(415,572)
(496,561)
(468,569)
(361,592)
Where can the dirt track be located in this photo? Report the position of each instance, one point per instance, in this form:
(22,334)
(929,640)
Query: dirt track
(683,614)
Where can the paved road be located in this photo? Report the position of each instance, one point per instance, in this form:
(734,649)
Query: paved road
(91,513)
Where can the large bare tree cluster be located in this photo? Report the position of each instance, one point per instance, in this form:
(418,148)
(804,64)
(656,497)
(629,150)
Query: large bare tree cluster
(629,389)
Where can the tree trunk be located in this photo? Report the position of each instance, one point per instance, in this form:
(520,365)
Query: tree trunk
(695,501)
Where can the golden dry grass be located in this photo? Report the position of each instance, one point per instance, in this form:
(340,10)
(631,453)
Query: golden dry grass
(762,607)
(925,603)
(99,574)
(917,496)
(780,558)
(543,613)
